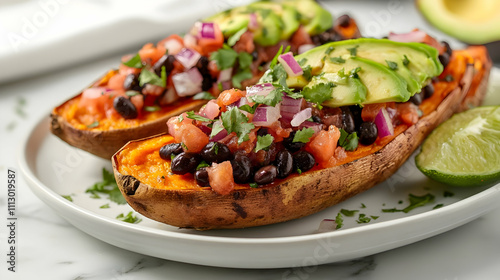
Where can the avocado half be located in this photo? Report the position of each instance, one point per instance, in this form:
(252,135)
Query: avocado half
(471,21)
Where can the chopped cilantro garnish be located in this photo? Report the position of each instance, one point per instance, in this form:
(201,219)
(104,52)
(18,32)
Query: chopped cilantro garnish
(329,50)
(224,58)
(307,72)
(303,135)
(318,93)
(129,218)
(236,37)
(202,164)
(374,217)
(204,95)
(263,142)
(348,213)
(448,194)
(353,51)
(184,147)
(363,205)
(415,201)
(348,141)
(299,171)
(68,197)
(302,61)
(94,124)
(105,206)
(438,206)
(134,62)
(339,221)
(363,219)
(107,186)
(132,93)
(253,185)
(406,61)
(152,108)
(244,60)
(294,95)
(234,120)
(148,77)
(248,108)
(241,76)
(338,59)
(393,65)
(192,115)
(274,97)
(216,129)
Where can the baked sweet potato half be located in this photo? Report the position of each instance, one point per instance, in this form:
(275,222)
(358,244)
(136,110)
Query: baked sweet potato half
(229,49)
(149,186)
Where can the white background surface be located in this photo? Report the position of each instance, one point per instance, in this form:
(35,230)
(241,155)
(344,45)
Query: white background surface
(50,248)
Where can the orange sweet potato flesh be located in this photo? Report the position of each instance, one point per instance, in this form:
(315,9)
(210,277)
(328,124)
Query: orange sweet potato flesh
(148,186)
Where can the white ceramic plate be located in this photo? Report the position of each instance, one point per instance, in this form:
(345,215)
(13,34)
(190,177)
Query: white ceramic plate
(53,169)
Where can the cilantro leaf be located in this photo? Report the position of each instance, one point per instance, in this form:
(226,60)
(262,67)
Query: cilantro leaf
(353,51)
(263,142)
(216,129)
(204,95)
(294,95)
(234,120)
(129,218)
(348,141)
(329,50)
(202,164)
(363,219)
(274,97)
(148,77)
(339,221)
(248,108)
(307,72)
(244,60)
(68,197)
(107,186)
(393,65)
(303,135)
(418,201)
(236,37)
(224,58)
(152,108)
(132,92)
(348,213)
(94,124)
(337,59)
(134,62)
(192,115)
(318,93)
(241,76)
(406,61)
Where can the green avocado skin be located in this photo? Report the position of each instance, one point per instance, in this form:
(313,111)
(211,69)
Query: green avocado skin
(277,20)
(389,71)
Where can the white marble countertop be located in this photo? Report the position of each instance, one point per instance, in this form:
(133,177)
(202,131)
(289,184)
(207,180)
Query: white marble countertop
(50,248)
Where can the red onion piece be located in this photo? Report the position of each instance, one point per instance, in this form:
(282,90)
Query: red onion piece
(188,83)
(211,110)
(188,57)
(207,30)
(226,85)
(304,48)
(327,225)
(301,117)
(225,75)
(413,36)
(317,127)
(260,89)
(219,136)
(291,65)
(205,129)
(384,123)
(290,107)
(242,101)
(253,24)
(266,115)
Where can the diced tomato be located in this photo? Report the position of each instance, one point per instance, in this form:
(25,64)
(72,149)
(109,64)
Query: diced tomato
(278,132)
(300,37)
(220,177)
(245,43)
(116,82)
(209,45)
(408,113)
(370,111)
(213,69)
(173,43)
(150,54)
(138,101)
(229,97)
(194,139)
(210,110)
(323,145)
(174,124)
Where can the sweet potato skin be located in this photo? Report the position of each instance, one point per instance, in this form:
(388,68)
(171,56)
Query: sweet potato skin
(104,143)
(299,195)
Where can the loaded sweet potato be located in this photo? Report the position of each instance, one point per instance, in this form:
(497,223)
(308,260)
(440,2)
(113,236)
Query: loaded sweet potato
(230,49)
(214,172)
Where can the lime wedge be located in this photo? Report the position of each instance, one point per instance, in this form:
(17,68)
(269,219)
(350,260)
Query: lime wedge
(464,150)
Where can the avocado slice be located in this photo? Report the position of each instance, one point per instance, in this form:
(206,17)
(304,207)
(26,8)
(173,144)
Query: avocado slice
(288,16)
(229,23)
(416,62)
(347,90)
(382,84)
(474,22)
(315,18)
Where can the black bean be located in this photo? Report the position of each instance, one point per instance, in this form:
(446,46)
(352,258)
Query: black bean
(284,164)
(328,36)
(131,82)
(255,55)
(356,113)
(124,107)
(444,59)
(292,146)
(242,169)
(343,21)
(428,91)
(417,98)
(303,161)
(201,177)
(207,83)
(216,152)
(185,163)
(368,133)
(202,65)
(447,48)
(316,119)
(348,123)
(262,131)
(170,149)
(167,61)
(265,175)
